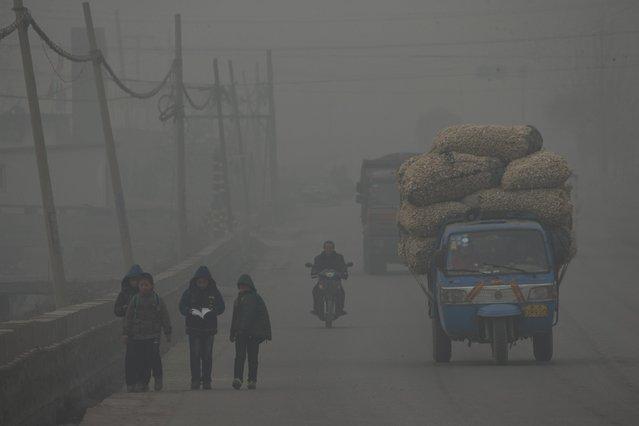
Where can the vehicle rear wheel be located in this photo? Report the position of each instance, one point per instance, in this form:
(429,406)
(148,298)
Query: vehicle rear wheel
(442,348)
(543,346)
(500,341)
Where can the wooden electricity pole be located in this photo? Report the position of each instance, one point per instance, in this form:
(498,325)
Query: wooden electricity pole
(240,141)
(272,136)
(112,158)
(46,191)
(179,141)
(220,120)
(118,30)
(263,154)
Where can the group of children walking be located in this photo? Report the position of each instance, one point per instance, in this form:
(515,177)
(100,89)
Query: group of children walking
(146,317)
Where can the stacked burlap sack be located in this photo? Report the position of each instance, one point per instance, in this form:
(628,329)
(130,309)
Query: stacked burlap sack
(487,172)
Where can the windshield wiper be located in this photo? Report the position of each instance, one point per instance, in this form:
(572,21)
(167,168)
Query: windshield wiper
(512,268)
(468,271)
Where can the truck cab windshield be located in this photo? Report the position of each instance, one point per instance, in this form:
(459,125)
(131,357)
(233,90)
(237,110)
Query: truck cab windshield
(497,252)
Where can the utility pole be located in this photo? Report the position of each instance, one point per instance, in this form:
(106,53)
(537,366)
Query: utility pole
(250,165)
(179,141)
(262,155)
(109,143)
(240,141)
(46,191)
(272,146)
(118,30)
(222,136)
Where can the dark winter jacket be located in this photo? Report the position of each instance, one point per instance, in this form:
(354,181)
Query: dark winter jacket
(326,260)
(126,292)
(195,298)
(146,317)
(250,316)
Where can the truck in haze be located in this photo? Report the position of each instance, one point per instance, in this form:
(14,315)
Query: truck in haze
(378,196)
(496,282)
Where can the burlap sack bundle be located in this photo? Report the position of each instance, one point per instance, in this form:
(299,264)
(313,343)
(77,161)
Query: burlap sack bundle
(552,207)
(564,242)
(504,142)
(543,169)
(426,221)
(416,252)
(434,178)
(401,172)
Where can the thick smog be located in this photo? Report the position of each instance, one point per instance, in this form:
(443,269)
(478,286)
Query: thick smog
(297,212)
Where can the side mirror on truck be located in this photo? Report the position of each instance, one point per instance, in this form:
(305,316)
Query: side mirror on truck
(360,199)
(349,265)
(308,265)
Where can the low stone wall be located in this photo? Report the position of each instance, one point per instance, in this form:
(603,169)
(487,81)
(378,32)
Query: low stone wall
(55,365)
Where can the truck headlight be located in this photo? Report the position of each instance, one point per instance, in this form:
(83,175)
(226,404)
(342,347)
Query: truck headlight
(545,292)
(453,295)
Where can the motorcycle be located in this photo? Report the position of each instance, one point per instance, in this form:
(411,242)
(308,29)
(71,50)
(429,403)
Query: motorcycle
(329,283)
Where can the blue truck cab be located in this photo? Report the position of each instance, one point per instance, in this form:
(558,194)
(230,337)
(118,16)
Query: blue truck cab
(496,282)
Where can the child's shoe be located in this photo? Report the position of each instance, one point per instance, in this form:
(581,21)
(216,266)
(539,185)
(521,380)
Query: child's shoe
(141,387)
(237,384)
(130,388)
(195,385)
(157,384)
(206,386)
(252,385)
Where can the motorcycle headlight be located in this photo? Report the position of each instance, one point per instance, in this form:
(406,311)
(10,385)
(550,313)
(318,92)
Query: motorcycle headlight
(545,292)
(453,295)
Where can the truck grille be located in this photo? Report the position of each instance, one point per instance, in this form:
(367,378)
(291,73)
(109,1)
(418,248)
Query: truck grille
(496,294)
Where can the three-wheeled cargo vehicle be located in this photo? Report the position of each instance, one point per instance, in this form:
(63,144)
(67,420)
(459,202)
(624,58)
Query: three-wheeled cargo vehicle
(496,282)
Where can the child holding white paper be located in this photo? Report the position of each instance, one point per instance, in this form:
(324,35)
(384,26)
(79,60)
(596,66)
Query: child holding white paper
(200,304)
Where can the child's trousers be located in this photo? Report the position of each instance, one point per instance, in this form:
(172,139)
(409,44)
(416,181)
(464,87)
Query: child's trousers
(246,347)
(145,356)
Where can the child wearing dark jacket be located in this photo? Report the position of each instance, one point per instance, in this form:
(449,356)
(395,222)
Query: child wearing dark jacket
(200,304)
(146,317)
(129,288)
(250,326)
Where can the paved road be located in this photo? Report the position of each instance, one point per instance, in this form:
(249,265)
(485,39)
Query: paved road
(375,367)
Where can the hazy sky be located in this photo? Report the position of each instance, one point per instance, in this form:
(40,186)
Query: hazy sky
(354,76)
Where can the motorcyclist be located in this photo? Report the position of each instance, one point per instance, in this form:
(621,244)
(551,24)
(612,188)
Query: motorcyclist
(329,259)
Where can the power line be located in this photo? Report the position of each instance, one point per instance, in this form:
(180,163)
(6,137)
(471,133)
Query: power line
(381,46)
(418,17)
(357,79)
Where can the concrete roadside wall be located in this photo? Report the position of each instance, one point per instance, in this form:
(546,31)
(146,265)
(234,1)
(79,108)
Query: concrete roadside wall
(55,365)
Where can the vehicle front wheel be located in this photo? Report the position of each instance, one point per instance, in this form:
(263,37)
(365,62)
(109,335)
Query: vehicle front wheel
(442,348)
(500,341)
(543,346)
(329,314)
